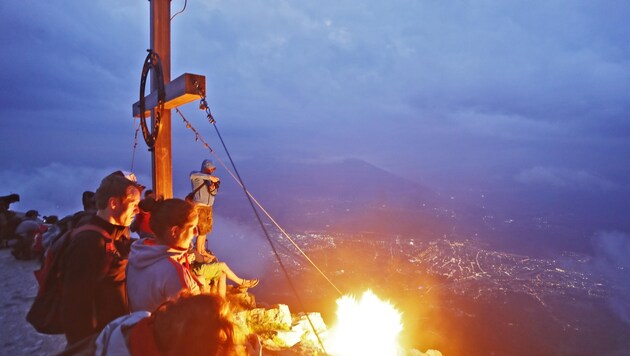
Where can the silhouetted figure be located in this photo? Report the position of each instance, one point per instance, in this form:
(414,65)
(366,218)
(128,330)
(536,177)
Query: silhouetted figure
(140,224)
(7,200)
(52,232)
(8,219)
(45,235)
(88,199)
(25,232)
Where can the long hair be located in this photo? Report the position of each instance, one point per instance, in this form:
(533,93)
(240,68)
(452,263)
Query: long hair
(194,325)
(168,213)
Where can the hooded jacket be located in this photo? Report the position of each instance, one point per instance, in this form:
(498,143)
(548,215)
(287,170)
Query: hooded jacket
(156,273)
(115,337)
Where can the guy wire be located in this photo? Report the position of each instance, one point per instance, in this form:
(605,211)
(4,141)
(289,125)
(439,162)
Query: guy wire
(199,138)
(262,225)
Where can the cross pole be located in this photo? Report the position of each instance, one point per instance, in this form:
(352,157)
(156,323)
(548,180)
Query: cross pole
(178,92)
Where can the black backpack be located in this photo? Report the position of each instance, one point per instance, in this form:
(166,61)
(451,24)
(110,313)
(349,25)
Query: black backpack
(45,312)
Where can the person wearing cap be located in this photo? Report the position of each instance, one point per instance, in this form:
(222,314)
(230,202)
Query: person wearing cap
(94,277)
(206,187)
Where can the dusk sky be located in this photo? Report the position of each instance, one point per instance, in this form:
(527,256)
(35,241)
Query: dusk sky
(448,92)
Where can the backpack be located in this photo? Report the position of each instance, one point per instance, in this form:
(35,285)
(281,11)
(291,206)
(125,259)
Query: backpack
(45,312)
(70,222)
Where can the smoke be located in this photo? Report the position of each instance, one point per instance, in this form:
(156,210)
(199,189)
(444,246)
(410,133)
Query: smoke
(611,251)
(243,248)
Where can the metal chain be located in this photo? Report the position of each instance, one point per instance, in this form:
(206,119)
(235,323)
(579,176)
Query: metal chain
(203,104)
(135,144)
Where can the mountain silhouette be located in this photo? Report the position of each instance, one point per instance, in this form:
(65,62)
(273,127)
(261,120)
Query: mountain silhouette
(345,196)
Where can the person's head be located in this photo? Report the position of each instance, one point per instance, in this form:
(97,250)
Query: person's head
(207,166)
(117,199)
(32,214)
(51,219)
(149,194)
(89,201)
(192,323)
(147,203)
(174,221)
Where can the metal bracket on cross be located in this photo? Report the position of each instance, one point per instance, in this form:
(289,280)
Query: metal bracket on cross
(179,91)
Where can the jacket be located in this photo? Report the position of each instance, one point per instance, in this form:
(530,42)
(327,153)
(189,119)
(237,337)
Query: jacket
(118,337)
(93,270)
(157,273)
(203,196)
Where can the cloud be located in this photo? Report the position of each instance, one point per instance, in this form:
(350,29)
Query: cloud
(564,178)
(54,189)
(417,84)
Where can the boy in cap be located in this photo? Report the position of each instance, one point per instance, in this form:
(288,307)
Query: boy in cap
(94,279)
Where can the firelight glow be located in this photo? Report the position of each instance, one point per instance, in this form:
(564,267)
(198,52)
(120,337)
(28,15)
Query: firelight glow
(368,326)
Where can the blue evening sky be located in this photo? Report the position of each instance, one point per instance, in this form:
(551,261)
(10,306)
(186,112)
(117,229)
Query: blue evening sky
(440,92)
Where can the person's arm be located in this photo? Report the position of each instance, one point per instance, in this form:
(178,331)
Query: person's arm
(84,268)
(211,181)
(200,175)
(201,244)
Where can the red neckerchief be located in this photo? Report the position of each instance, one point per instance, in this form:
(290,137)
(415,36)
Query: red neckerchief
(186,264)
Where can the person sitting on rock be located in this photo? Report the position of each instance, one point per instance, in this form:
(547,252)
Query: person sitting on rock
(216,274)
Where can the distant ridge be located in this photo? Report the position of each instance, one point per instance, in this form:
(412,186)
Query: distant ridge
(348,195)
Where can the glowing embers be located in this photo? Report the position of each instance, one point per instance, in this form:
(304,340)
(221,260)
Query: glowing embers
(368,326)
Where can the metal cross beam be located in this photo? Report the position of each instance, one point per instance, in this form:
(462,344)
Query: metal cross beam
(178,92)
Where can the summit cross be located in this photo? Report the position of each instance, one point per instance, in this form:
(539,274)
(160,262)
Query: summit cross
(180,91)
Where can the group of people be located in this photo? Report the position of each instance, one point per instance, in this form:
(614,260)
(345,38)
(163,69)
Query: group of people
(111,280)
(29,234)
